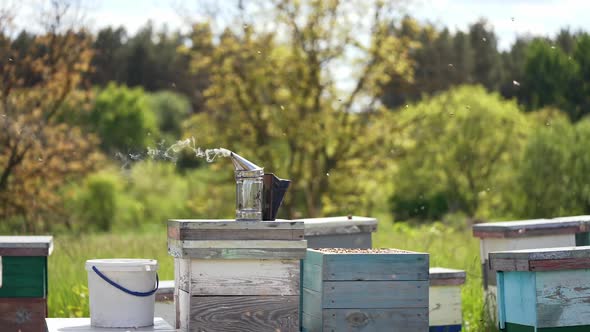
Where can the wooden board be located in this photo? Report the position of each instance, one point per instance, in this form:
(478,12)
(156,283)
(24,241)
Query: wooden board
(240,277)
(339,225)
(517,298)
(355,240)
(394,320)
(535,227)
(235,234)
(244,313)
(233,254)
(563,298)
(23,314)
(445,305)
(413,266)
(233,224)
(375,294)
(24,276)
(26,245)
(440,276)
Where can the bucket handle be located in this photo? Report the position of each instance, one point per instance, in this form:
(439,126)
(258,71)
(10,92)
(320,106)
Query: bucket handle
(130,292)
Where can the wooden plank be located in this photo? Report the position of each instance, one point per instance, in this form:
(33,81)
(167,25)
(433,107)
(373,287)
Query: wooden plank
(413,266)
(339,225)
(507,264)
(311,323)
(244,313)
(244,277)
(24,276)
(445,305)
(518,292)
(231,253)
(311,302)
(375,294)
(233,224)
(563,298)
(23,314)
(440,276)
(238,244)
(560,264)
(355,240)
(394,320)
(535,227)
(235,234)
(447,282)
(544,253)
(312,276)
(183,309)
(182,274)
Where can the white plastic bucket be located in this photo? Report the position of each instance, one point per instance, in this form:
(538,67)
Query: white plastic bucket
(122,291)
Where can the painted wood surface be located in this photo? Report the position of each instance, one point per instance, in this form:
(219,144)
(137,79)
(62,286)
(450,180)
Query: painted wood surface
(24,277)
(235,234)
(375,294)
(444,305)
(407,266)
(395,320)
(524,328)
(440,276)
(355,240)
(83,325)
(339,225)
(535,227)
(233,224)
(23,314)
(445,328)
(563,298)
(26,245)
(240,277)
(519,298)
(232,253)
(0,271)
(244,313)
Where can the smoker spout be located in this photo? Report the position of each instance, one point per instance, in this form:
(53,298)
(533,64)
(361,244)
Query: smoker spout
(243,164)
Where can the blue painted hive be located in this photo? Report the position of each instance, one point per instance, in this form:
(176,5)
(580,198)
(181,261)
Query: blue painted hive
(365,290)
(543,290)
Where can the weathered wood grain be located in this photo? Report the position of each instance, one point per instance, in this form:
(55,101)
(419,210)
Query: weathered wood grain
(232,253)
(26,245)
(339,225)
(535,227)
(356,240)
(412,266)
(375,294)
(563,298)
(233,224)
(24,276)
(23,314)
(244,313)
(445,305)
(244,277)
(546,259)
(238,244)
(394,320)
(506,264)
(440,276)
(182,273)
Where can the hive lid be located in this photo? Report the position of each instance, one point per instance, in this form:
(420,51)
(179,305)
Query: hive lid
(440,276)
(26,245)
(545,259)
(533,227)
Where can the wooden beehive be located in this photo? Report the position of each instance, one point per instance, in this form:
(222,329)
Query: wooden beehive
(365,290)
(339,232)
(445,299)
(236,275)
(543,290)
(23,289)
(527,234)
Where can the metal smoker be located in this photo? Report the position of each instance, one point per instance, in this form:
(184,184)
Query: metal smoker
(258,195)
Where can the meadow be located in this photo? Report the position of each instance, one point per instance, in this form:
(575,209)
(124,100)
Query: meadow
(448,247)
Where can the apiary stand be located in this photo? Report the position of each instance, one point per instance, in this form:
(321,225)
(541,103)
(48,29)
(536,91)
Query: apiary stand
(236,275)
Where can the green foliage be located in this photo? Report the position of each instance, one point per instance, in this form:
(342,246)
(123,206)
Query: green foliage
(171,109)
(459,150)
(95,204)
(122,119)
(554,174)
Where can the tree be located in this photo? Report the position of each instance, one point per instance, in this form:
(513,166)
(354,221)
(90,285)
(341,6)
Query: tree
(457,152)
(38,153)
(122,118)
(283,101)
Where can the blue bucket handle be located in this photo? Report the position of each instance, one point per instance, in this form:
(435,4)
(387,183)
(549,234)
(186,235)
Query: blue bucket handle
(130,292)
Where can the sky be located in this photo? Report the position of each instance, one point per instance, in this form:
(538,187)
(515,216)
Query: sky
(509,18)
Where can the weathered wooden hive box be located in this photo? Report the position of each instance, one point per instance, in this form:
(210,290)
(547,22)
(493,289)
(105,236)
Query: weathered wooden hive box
(236,275)
(543,290)
(365,290)
(527,234)
(339,232)
(23,285)
(445,299)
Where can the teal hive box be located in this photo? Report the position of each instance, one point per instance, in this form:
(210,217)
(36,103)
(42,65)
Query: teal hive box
(543,290)
(365,290)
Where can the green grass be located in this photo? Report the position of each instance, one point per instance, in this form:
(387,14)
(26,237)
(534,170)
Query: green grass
(448,247)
